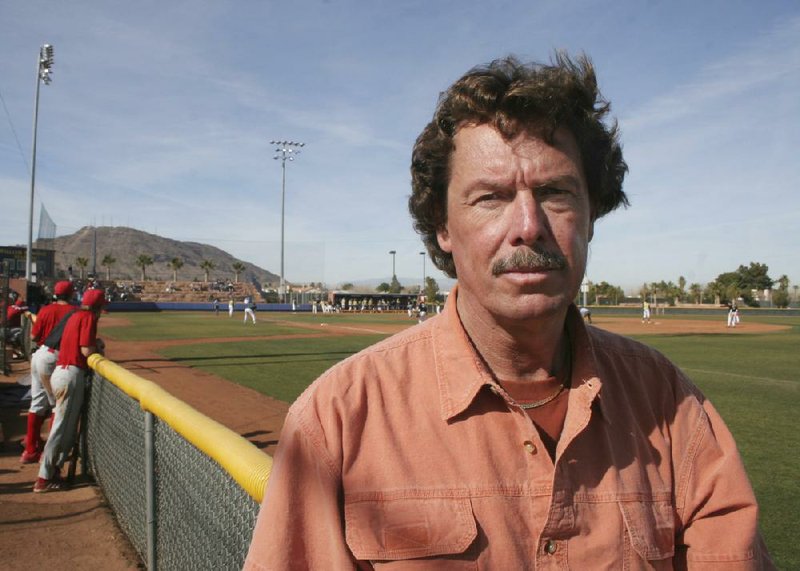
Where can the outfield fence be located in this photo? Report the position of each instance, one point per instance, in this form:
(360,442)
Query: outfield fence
(184,488)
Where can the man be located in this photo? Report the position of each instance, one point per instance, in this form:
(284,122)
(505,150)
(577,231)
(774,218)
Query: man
(249,310)
(43,362)
(586,313)
(77,343)
(504,433)
(13,333)
(422,309)
(15,312)
(733,314)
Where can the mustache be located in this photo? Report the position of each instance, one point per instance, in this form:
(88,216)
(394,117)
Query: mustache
(530,259)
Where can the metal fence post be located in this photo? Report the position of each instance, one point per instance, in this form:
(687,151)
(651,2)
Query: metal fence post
(150,489)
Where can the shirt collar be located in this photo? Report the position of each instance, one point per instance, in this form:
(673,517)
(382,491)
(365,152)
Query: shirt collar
(461,373)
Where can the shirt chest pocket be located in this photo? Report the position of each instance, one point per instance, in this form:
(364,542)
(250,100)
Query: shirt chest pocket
(650,529)
(401,530)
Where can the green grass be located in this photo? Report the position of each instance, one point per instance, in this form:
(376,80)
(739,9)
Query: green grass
(752,380)
(194,325)
(281,368)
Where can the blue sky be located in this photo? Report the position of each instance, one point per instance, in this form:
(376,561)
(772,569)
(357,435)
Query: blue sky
(160,114)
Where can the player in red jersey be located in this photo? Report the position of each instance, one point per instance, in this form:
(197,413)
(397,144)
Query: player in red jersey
(68,381)
(43,362)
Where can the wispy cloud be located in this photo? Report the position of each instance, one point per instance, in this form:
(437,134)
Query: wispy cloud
(772,58)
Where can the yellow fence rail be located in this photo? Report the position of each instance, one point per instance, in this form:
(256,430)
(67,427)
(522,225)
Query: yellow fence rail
(246,464)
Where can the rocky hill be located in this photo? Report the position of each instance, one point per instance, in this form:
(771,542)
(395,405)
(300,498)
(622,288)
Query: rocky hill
(127,244)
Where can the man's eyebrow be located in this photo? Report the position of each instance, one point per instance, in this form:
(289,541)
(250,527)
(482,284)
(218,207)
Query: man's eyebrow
(498,184)
(489,184)
(561,179)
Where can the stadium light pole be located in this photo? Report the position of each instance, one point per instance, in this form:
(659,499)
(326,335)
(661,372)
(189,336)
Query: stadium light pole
(393,253)
(284,151)
(422,289)
(44,70)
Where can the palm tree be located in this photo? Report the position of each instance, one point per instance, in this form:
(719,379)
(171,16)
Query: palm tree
(238,268)
(206,266)
(142,262)
(81,263)
(682,287)
(108,261)
(176,264)
(697,292)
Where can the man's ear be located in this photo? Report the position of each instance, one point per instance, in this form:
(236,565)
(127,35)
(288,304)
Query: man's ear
(443,237)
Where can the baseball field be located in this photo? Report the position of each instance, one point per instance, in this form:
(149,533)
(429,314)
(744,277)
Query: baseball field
(750,374)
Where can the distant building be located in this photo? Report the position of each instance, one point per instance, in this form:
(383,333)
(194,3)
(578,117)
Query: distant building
(42,262)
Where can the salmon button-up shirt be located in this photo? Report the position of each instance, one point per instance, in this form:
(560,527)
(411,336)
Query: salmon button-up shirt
(409,455)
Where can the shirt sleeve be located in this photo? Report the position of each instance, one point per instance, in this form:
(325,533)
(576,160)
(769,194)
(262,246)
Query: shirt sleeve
(36,330)
(88,333)
(301,522)
(718,507)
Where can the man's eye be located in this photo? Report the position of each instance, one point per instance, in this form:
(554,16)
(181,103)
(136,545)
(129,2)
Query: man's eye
(487,197)
(554,194)
(550,191)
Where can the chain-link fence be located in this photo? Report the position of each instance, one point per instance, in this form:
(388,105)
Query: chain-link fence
(184,489)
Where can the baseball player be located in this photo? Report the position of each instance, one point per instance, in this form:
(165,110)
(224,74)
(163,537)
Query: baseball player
(249,308)
(422,310)
(43,362)
(586,313)
(67,382)
(646,312)
(230,307)
(13,332)
(733,314)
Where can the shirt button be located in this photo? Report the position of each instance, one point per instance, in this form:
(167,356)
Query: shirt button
(550,547)
(530,447)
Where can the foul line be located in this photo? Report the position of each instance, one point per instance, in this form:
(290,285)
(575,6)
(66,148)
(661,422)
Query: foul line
(768,379)
(358,329)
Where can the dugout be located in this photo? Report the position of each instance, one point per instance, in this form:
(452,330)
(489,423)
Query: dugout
(355,301)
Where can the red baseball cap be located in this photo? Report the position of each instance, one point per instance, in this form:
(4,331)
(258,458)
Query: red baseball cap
(63,288)
(94,298)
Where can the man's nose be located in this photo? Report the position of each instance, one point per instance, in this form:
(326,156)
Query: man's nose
(528,221)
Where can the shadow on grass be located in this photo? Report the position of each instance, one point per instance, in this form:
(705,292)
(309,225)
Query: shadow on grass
(249,356)
(250,363)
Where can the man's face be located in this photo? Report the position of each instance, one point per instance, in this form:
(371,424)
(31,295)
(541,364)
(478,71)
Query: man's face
(518,222)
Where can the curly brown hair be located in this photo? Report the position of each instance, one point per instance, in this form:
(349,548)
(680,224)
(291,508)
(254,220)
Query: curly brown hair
(514,97)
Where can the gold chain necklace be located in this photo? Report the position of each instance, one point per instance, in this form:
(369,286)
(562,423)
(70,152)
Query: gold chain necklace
(543,401)
(564,380)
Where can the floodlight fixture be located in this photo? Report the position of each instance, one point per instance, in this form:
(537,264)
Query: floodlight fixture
(46,63)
